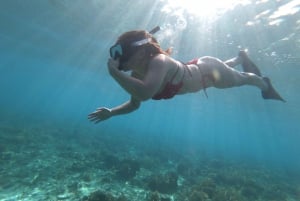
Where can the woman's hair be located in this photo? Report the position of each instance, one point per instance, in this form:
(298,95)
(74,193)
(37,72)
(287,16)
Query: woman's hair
(152,48)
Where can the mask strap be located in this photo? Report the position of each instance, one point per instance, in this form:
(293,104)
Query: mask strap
(141,42)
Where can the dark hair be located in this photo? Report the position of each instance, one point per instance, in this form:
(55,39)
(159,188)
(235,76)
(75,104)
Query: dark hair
(152,48)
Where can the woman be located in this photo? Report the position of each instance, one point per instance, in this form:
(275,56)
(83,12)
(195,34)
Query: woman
(156,75)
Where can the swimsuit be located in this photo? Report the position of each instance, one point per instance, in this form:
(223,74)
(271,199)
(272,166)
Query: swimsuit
(170,90)
(204,86)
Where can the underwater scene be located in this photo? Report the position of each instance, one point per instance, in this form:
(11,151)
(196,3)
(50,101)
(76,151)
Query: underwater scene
(232,145)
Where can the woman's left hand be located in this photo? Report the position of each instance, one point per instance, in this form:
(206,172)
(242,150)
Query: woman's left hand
(100,114)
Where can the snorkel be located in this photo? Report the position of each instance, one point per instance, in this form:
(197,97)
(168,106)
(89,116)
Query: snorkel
(123,50)
(154,30)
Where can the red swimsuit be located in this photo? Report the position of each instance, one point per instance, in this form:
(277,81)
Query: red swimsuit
(170,90)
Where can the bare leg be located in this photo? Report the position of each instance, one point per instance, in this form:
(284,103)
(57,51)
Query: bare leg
(243,78)
(264,83)
(247,64)
(233,62)
(225,76)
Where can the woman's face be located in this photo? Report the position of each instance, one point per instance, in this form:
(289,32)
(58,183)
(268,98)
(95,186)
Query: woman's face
(135,62)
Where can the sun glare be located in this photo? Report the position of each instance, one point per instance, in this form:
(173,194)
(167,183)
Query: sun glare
(205,8)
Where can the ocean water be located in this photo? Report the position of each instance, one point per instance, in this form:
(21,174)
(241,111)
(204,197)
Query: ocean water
(231,146)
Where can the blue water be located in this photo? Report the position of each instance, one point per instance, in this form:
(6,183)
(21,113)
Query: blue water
(53,73)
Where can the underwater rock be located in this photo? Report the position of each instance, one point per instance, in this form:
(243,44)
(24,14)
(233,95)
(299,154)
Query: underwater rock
(198,196)
(230,179)
(127,169)
(203,191)
(185,168)
(166,183)
(209,187)
(165,198)
(215,163)
(102,196)
(63,197)
(225,194)
(251,190)
(73,186)
(111,161)
(208,190)
(297,192)
(182,168)
(76,166)
(149,162)
(155,196)
(2,149)
(274,193)
(7,155)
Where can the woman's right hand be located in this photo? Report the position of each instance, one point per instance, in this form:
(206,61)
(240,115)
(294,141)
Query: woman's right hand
(100,114)
(113,66)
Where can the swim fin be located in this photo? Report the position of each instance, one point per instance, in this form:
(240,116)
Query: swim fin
(271,93)
(248,65)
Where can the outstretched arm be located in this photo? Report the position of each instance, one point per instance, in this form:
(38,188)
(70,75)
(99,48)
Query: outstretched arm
(103,113)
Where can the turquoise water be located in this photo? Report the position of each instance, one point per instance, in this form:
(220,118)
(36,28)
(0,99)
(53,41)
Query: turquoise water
(232,145)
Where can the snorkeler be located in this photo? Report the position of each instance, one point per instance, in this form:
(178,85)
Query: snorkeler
(155,75)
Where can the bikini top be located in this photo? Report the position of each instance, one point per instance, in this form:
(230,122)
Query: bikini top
(170,90)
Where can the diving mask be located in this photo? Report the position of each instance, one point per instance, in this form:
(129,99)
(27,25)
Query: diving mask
(117,51)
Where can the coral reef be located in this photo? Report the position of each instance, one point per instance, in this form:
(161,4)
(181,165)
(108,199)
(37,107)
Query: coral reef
(251,190)
(110,161)
(127,169)
(274,193)
(227,194)
(102,196)
(156,196)
(198,196)
(203,191)
(96,170)
(166,183)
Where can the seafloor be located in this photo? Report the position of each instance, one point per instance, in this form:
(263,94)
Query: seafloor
(48,163)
